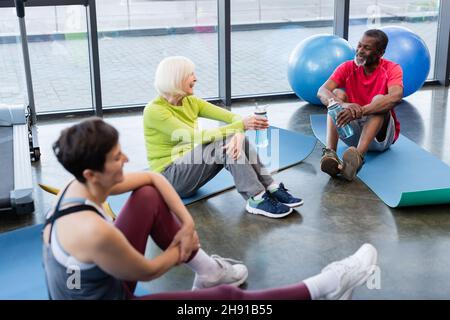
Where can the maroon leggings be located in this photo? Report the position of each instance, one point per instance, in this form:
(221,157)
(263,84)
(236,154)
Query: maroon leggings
(145,213)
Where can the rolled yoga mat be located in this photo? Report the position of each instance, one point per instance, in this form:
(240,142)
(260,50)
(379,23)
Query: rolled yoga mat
(403,175)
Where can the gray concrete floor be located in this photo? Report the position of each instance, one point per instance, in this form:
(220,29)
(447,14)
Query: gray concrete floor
(337,217)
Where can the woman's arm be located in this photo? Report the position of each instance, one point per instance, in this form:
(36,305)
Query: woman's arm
(166,123)
(111,251)
(210,111)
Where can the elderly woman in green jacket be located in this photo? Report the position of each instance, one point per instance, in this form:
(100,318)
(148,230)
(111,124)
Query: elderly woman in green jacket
(189,157)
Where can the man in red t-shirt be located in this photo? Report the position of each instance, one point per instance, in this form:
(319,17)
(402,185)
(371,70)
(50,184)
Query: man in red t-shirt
(368,88)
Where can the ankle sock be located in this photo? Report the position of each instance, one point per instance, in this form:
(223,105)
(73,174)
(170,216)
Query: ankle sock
(259,196)
(203,264)
(322,284)
(273,187)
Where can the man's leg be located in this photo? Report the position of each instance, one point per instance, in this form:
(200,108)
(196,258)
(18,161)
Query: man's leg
(332,133)
(375,127)
(330,162)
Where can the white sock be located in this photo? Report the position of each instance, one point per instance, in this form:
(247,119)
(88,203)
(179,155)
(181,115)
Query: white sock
(203,264)
(322,284)
(259,196)
(273,187)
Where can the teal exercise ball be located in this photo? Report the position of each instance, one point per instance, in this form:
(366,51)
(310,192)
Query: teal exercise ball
(408,50)
(313,61)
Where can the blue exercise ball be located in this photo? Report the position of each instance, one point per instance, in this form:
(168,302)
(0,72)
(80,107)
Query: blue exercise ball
(408,50)
(313,61)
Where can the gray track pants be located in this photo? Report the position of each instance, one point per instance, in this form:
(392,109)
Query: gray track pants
(190,172)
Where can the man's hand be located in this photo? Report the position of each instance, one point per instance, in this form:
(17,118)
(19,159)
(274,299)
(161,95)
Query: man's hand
(255,123)
(351,111)
(234,147)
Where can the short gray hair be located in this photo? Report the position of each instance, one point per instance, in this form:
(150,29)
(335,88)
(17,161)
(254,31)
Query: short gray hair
(170,74)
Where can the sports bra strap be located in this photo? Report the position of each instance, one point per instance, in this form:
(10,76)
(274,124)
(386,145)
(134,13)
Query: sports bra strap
(64,212)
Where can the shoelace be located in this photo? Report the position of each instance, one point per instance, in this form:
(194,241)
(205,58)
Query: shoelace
(348,265)
(331,153)
(271,198)
(224,261)
(326,151)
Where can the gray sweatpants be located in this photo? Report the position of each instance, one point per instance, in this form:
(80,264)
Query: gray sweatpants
(190,172)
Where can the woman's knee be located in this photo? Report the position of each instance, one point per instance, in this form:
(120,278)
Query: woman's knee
(340,94)
(147,193)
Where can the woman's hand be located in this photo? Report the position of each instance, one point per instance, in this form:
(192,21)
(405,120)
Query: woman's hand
(187,240)
(234,147)
(255,123)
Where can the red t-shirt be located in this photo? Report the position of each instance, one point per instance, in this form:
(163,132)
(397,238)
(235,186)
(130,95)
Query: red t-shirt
(361,88)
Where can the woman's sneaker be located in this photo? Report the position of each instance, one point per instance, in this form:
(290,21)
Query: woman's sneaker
(268,206)
(232,272)
(285,197)
(353,271)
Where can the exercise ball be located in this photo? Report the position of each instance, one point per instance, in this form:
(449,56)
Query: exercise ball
(313,61)
(408,50)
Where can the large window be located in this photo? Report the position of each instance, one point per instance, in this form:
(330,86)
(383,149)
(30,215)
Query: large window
(264,32)
(12,77)
(420,16)
(58,54)
(135,35)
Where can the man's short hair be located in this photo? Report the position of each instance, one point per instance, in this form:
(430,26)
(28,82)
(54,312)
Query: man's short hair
(170,75)
(380,36)
(85,146)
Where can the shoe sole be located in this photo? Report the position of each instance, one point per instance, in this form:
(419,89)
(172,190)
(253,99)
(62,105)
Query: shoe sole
(351,160)
(348,294)
(267,214)
(330,166)
(293,205)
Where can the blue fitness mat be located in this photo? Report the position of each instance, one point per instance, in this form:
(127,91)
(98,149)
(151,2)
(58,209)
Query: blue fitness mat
(286,148)
(403,175)
(21,272)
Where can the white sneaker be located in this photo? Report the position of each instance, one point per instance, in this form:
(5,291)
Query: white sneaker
(232,274)
(353,271)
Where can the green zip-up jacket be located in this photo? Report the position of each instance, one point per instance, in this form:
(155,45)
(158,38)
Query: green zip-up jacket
(172,131)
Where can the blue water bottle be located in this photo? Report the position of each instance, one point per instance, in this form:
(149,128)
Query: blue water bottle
(261,135)
(334,108)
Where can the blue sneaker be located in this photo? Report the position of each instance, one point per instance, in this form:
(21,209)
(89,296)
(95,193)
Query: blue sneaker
(286,198)
(268,206)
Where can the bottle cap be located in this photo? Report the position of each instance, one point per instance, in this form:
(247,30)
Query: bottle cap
(261,109)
